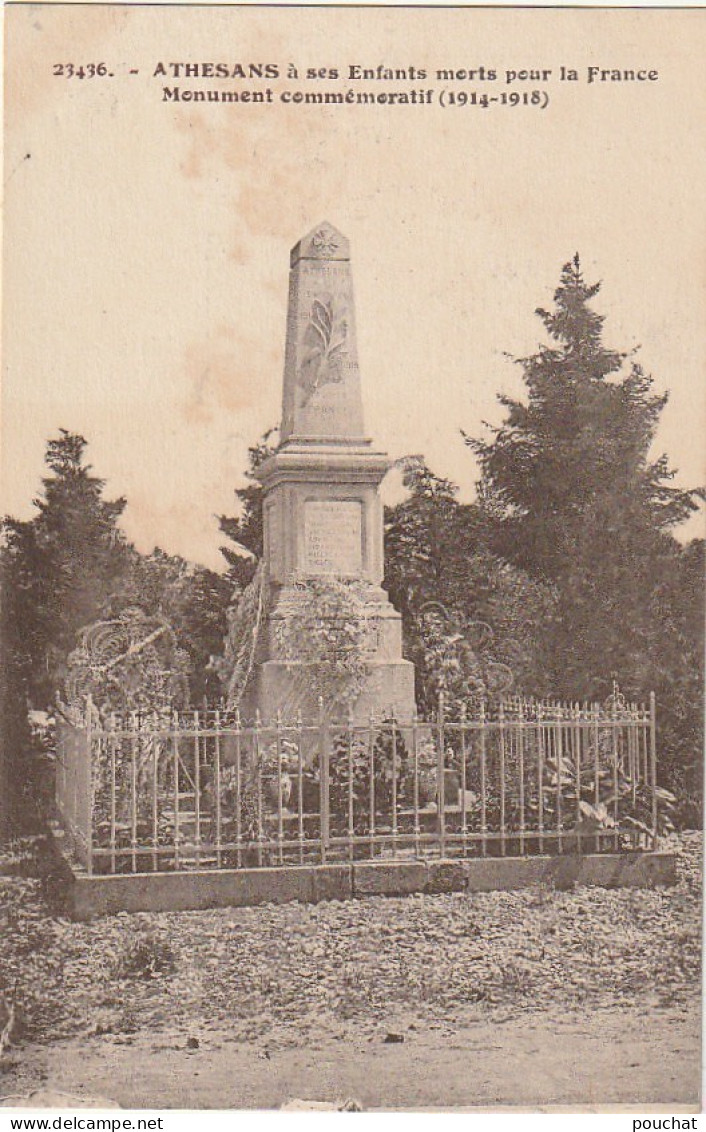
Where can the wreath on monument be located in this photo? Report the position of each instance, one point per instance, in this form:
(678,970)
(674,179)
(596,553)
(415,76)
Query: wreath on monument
(128,673)
(327,636)
(131,663)
(459,655)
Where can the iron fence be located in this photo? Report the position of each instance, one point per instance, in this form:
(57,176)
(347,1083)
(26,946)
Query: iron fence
(199,790)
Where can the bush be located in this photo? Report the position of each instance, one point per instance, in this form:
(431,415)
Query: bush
(146,957)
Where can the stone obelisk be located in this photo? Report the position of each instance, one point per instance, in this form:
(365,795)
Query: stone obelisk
(323,516)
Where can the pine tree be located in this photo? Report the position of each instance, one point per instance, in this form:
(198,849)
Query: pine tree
(576,499)
(58,571)
(83,553)
(60,567)
(575,456)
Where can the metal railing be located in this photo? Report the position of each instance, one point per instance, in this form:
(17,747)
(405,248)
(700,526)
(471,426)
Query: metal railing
(202,789)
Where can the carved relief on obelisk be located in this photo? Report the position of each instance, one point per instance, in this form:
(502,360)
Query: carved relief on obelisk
(322,398)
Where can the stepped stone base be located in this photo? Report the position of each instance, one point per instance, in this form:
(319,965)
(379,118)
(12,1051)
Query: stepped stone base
(91,896)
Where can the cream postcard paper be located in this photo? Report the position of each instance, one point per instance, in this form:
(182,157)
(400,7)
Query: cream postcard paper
(436,168)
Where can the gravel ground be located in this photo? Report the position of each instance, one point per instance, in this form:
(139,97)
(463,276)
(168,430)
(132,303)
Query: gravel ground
(280,973)
(549,1059)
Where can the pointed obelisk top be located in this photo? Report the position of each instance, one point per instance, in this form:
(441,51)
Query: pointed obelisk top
(324,242)
(322,400)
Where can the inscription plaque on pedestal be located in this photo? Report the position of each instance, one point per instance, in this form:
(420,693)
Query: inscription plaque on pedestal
(333,537)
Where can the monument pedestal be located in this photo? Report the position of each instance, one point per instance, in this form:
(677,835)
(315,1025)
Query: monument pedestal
(388,693)
(322,512)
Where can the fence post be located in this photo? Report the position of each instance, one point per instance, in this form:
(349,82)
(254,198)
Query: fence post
(653,765)
(483,779)
(440,784)
(501,766)
(197,787)
(75,749)
(89,785)
(632,747)
(351,807)
(238,791)
(280,804)
(464,816)
(540,775)
(521,769)
(614,730)
(393,735)
(595,713)
(59,779)
(300,787)
(415,758)
(576,750)
(324,768)
(258,767)
(133,787)
(175,763)
(217,779)
(371,772)
(155,794)
(113,787)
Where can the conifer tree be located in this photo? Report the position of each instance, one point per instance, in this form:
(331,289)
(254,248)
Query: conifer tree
(62,565)
(572,463)
(577,499)
(58,572)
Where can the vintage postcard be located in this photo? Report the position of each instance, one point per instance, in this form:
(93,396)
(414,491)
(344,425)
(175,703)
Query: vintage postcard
(353,414)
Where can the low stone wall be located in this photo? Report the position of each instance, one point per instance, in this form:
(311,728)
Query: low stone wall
(90,896)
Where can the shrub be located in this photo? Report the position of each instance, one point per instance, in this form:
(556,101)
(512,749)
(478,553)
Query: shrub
(146,956)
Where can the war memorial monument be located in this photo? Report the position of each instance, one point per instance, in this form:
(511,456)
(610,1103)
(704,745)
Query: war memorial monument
(323,516)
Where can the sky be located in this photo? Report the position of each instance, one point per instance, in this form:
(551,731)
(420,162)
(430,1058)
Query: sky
(146,243)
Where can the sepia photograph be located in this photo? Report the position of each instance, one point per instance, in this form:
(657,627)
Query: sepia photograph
(352,559)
